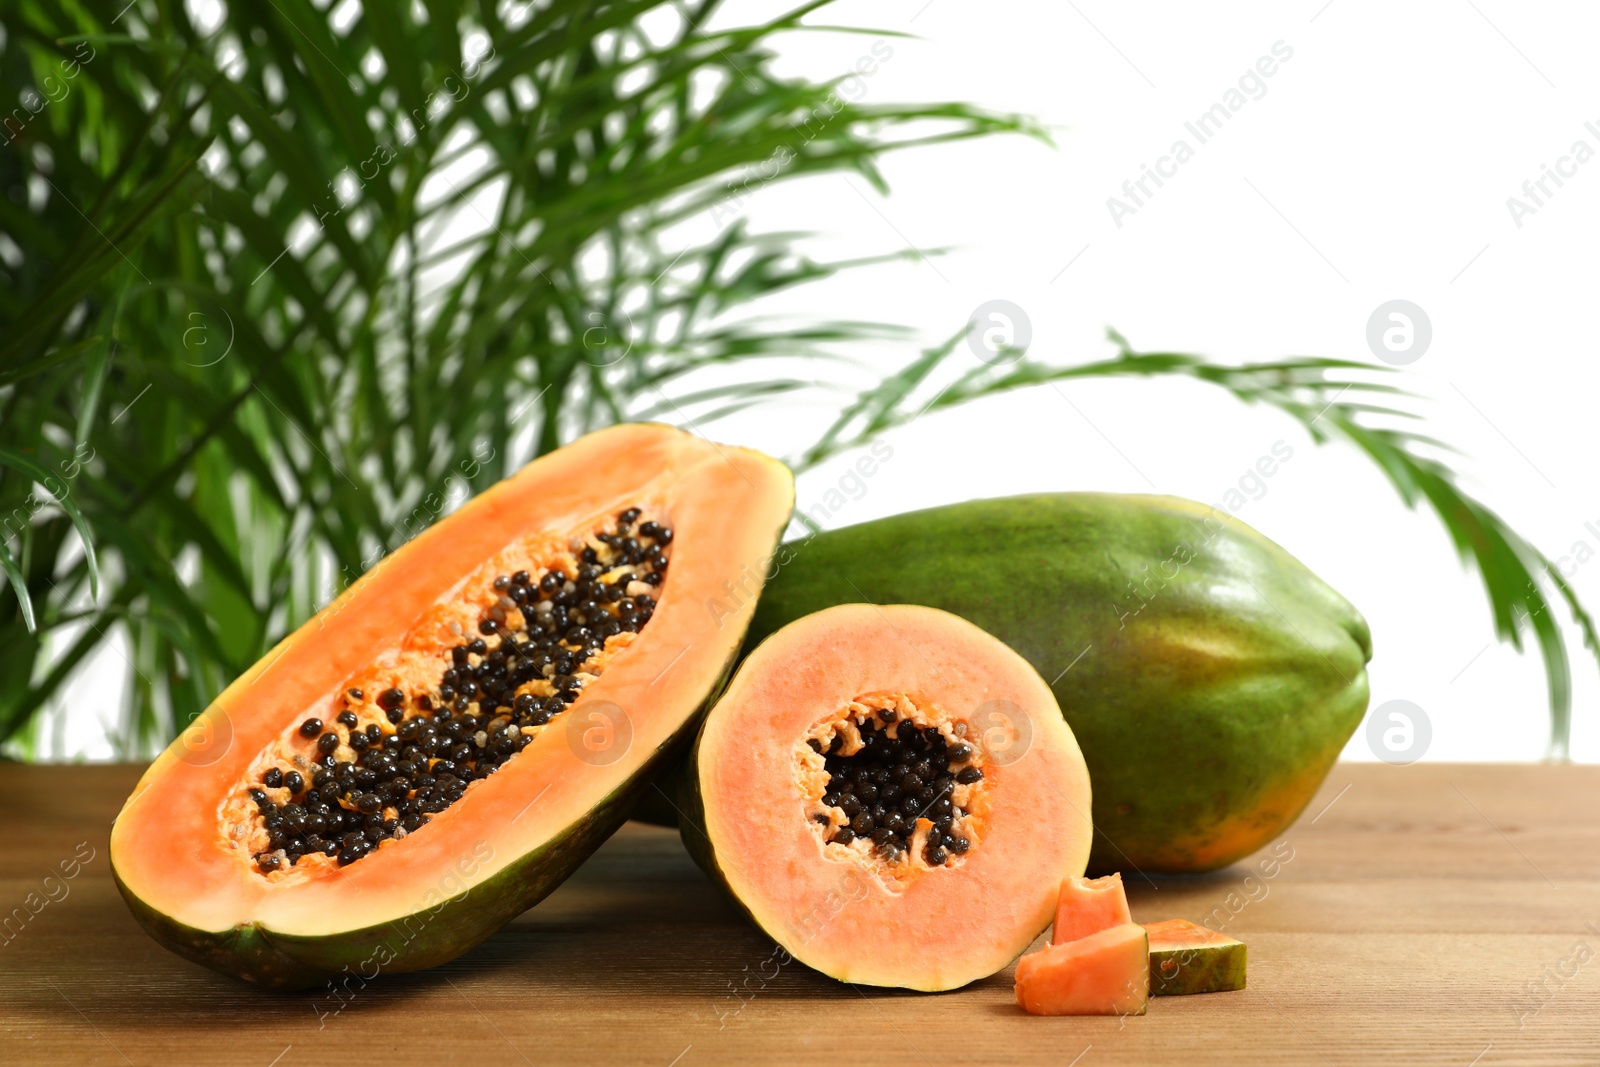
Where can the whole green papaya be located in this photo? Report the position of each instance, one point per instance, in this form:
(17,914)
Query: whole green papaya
(1210,678)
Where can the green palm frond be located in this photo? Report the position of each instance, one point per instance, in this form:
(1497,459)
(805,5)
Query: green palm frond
(276,293)
(1333,399)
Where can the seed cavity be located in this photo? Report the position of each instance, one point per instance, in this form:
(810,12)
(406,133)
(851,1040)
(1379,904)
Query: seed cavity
(898,783)
(527,659)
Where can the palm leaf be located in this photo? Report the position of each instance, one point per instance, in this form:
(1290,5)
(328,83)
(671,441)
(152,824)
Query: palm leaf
(1328,398)
(402,230)
(63,497)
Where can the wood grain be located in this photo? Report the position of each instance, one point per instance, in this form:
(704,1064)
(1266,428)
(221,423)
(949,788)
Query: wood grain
(1411,917)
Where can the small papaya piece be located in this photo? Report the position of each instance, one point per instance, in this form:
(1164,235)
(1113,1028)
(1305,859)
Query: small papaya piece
(1106,973)
(1088,905)
(1188,958)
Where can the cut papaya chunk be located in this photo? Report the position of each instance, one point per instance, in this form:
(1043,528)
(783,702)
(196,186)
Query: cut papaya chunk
(441,746)
(1106,973)
(891,794)
(1088,905)
(1187,958)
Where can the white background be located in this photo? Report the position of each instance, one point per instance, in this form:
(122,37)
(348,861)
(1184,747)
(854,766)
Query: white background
(1377,165)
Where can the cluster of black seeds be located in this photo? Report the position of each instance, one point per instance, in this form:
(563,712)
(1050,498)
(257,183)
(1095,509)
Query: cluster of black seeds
(889,784)
(473,720)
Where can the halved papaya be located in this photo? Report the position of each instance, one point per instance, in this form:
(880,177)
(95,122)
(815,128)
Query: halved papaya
(438,748)
(1211,678)
(891,794)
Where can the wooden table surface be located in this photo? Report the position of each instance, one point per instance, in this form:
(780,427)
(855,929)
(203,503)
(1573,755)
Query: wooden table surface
(1442,914)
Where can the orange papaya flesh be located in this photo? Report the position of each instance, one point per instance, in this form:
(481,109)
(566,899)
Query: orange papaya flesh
(1210,677)
(1105,973)
(1088,905)
(1187,958)
(439,747)
(890,794)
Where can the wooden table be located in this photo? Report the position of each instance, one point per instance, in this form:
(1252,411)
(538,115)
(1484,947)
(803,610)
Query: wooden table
(1441,914)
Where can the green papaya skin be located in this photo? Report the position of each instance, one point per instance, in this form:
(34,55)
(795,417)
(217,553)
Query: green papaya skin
(438,931)
(1201,967)
(1211,679)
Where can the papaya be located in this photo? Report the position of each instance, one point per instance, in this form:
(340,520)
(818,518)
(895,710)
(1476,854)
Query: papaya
(890,794)
(1210,677)
(1098,959)
(1104,973)
(1187,958)
(445,742)
(1086,906)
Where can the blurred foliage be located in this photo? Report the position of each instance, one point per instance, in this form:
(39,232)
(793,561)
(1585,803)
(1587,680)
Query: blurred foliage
(278,290)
